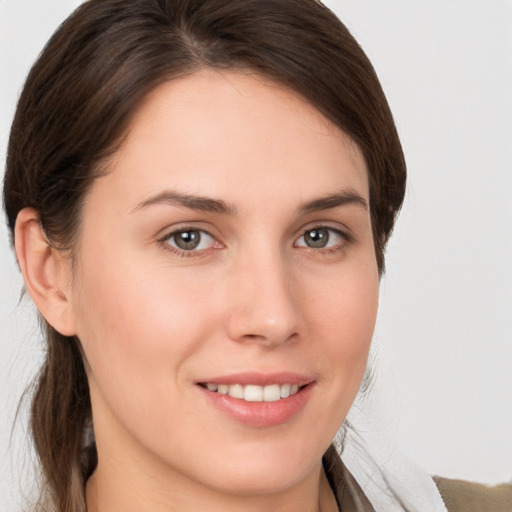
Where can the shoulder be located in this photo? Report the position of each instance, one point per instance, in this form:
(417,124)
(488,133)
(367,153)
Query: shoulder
(458,495)
(462,496)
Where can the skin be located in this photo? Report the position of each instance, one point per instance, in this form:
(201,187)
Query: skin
(254,297)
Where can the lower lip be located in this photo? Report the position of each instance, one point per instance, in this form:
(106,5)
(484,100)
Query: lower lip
(260,414)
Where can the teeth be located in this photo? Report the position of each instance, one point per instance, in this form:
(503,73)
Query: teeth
(236,391)
(253,393)
(272,393)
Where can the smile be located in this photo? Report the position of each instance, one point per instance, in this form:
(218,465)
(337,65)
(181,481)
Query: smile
(258,400)
(253,392)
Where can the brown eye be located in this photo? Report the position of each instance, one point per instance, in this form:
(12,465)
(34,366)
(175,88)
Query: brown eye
(190,240)
(322,237)
(187,240)
(316,238)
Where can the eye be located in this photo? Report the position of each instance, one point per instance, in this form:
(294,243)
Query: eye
(321,238)
(190,240)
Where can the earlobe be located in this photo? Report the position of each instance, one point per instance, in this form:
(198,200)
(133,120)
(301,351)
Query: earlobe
(45,272)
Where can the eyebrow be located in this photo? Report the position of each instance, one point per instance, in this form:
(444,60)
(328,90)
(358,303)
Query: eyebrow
(208,204)
(342,198)
(205,204)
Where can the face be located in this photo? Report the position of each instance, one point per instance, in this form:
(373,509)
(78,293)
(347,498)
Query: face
(228,249)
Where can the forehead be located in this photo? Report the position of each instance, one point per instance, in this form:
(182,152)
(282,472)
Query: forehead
(215,133)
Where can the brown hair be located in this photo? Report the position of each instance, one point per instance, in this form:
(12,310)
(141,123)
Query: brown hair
(75,107)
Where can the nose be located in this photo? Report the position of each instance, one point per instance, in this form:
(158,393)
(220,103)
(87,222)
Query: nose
(263,306)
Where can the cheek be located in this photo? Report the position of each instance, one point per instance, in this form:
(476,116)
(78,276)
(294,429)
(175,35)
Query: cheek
(134,326)
(345,319)
(138,331)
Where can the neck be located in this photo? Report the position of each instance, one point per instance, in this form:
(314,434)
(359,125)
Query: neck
(109,492)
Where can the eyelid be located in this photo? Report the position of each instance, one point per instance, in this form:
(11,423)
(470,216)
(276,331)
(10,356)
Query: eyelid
(175,227)
(345,234)
(326,224)
(169,233)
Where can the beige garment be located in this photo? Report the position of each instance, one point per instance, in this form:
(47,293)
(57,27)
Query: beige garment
(458,495)
(462,496)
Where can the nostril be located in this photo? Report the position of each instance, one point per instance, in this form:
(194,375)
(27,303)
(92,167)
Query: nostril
(273,339)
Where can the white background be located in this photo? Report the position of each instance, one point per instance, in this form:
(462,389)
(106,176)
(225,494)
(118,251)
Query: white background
(444,336)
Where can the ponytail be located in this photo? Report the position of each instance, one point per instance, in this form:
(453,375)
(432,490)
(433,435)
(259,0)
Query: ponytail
(61,411)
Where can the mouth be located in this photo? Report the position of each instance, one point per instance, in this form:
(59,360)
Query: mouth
(254,392)
(258,400)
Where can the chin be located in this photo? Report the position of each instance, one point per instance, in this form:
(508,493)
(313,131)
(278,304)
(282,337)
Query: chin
(267,470)
(251,481)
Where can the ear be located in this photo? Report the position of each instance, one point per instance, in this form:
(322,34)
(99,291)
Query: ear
(46,272)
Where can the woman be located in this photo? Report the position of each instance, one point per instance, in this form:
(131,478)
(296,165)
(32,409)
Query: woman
(208,324)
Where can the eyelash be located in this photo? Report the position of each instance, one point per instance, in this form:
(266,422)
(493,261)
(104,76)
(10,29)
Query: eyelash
(345,237)
(165,242)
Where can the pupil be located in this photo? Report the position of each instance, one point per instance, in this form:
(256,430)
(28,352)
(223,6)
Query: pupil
(187,240)
(317,238)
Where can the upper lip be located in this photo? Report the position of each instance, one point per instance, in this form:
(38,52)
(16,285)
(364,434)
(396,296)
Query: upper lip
(260,379)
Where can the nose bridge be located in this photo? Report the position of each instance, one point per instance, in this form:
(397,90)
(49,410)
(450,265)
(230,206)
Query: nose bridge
(263,306)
